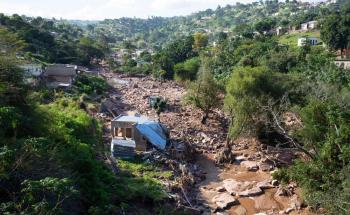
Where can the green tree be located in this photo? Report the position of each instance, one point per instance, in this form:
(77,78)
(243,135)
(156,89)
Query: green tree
(200,41)
(264,25)
(187,70)
(159,106)
(204,92)
(335,31)
(246,90)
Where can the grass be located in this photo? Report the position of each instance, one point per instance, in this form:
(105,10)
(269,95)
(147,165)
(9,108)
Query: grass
(292,39)
(142,180)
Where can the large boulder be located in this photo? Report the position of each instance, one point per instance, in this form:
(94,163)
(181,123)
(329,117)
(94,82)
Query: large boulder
(224,200)
(250,165)
(265,184)
(233,187)
(251,192)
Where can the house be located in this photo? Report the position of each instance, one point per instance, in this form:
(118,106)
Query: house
(280,31)
(59,75)
(343,54)
(313,41)
(136,133)
(345,64)
(309,25)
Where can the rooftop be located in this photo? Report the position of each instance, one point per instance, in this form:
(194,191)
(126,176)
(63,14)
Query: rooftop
(60,70)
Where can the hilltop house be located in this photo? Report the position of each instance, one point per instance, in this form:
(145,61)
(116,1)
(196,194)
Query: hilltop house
(313,41)
(343,63)
(136,133)
(309,25)
(59,75)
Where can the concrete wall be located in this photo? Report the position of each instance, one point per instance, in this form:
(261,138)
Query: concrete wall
(345,64)
(140,141)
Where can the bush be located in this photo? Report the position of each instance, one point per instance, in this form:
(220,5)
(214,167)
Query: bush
(90,84)
(187,70)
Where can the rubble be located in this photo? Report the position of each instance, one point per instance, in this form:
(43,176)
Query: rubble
(251,192)
(220,189)
(265,184)
(191,137)
(250,165)
(233,187)
(224,200)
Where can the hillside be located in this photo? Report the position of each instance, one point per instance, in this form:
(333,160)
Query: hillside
(156,31)
(225,114)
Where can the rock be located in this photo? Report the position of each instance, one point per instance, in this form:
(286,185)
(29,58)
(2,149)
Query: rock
(240,158)
(250,165)
(241,210)
(232,186)
(260,214)
(295,202)
(275,183)
(288,210)
(224,200)
(220,189)
(265,184)
(222,213)
(281,191)
(251,192)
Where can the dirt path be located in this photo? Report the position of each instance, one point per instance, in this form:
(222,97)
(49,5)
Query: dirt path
(130,96)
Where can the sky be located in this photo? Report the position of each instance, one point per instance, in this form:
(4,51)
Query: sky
(103,9)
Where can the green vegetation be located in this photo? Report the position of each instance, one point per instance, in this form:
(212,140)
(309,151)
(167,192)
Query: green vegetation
(50,148)
(53,42)
(203,93)
(292,39)
(90,84)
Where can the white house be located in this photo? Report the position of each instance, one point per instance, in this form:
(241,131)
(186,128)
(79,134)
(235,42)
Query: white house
(313,41)
(309,25)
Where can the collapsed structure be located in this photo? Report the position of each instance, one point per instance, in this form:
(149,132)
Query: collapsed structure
(136,133)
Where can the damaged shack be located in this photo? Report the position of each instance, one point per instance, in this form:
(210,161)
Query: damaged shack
(136,133)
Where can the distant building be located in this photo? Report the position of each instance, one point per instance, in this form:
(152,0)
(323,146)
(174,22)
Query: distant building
(313,41)
(59,75)
(280,31)
(345,64)
(309,25)
(343,54)
(136,133)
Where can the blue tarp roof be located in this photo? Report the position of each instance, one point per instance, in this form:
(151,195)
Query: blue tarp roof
(153,131)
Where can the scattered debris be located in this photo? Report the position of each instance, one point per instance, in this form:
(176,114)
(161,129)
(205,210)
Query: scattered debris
(224,200)
(250,165)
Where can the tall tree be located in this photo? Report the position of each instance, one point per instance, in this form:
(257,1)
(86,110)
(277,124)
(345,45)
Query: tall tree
(203,93)
(335,31)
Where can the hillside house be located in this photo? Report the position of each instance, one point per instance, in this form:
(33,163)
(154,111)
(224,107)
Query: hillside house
(344,64)
(59,75)
(343,54)
(136,133)
(309,25)
(280,31)
(313,41)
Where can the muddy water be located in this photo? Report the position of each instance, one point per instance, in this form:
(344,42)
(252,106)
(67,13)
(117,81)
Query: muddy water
(248,205)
